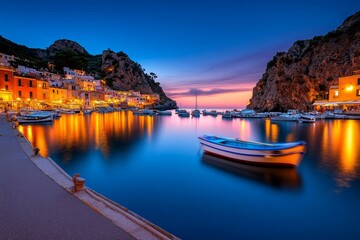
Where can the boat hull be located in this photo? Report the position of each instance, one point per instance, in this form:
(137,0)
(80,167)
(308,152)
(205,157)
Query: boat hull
(286,157)
(27,120)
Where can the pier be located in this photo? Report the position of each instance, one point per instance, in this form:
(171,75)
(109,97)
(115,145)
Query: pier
(38,200)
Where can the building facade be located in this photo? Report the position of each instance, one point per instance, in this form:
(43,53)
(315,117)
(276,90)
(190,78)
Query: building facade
(344,96)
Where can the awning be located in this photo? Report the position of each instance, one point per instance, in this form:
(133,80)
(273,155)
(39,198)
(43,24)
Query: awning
(330,104)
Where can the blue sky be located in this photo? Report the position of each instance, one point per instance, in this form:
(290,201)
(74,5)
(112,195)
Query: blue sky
(216,47)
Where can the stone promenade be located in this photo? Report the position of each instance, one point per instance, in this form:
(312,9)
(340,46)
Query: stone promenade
(36,201)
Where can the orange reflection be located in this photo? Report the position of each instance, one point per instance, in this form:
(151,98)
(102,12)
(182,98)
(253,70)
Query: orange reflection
(245,129)
(339,142)
(271,131)
(79,132)
(349,155)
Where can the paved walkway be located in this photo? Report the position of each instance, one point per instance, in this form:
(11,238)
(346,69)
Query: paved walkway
(33,206)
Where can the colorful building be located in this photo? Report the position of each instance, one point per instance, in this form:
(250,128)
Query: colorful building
(6,83)
(344,96)
(25,88)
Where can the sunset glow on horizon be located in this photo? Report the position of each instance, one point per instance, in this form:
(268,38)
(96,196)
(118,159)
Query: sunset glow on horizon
(225,98)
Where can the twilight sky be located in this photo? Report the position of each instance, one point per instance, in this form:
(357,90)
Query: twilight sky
(217,48)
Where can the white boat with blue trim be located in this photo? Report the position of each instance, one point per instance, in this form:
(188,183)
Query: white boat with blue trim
(35,117)
(287,154)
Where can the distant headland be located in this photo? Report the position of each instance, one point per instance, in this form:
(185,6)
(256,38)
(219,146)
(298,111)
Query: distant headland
(297,78)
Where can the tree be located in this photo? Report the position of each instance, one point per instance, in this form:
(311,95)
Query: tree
(153,76)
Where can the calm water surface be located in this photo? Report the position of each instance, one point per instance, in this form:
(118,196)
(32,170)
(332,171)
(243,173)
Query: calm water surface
(155,167)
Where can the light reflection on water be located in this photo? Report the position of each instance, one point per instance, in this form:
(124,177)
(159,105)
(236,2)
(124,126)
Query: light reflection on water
(155,167)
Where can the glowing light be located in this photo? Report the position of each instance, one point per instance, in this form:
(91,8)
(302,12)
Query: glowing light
(349,88)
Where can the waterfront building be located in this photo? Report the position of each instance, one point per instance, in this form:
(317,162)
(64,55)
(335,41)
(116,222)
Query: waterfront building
(6,81)
(43,90)
(344,96)
(6,87)
(57,94)
(25,88)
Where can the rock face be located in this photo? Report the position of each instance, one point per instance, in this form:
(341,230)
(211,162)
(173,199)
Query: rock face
(295,79)
(62,44)
(121,73)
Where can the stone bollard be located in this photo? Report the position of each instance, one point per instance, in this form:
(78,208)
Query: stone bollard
(36,151)
(79,183)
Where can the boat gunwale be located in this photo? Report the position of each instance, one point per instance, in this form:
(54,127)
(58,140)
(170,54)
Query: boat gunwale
(272,148)
(257,155)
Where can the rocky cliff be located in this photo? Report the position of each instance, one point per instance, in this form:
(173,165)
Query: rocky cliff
(119,71)
(296,78)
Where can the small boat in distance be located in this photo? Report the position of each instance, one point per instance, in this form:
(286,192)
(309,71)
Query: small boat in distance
(164,113)
(183,113)
(196,112)
(307,118)
(287,154)
(291,115)
(87,111)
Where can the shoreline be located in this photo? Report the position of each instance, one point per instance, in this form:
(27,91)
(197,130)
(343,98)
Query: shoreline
(137,226)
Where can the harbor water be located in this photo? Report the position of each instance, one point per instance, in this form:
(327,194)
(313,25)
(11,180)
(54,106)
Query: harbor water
(154,166)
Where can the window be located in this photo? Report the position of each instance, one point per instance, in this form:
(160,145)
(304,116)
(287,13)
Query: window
(358,92)
(53,91)
(31,95)
(19,82)
(30,84)
(19,93)
(6,77)
(44,86)
(358,81)
(44,95)
(6,87)
(336,93)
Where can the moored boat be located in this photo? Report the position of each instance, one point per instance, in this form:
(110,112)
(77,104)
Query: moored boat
(183,113)
(307,118)
(227,115)
(195,113)
(87,111)
(291,115)
(288,154)
(36,117)
(164,113)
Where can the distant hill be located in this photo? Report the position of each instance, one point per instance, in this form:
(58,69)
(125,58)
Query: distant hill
(296,78)
(129,75)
